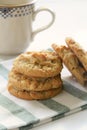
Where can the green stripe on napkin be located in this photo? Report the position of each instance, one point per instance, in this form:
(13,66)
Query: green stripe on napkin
(2,127)
(26,127)
(84,107)
(58,117)
(55,106)
(4,72)
(74,91)
(17,110)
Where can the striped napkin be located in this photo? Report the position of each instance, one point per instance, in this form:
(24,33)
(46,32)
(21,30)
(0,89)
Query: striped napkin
(19,114)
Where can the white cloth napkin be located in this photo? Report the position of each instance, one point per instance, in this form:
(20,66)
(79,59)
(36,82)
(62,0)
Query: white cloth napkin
(21,114)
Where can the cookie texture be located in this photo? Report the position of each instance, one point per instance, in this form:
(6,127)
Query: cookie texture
(34,84)
(36,75)
(78,51)
(33,95)
(72,63)
(38,64)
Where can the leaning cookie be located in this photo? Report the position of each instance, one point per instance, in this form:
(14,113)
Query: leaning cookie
(38,64)
(33,95)
(72,63)
(78,50)
(34,84)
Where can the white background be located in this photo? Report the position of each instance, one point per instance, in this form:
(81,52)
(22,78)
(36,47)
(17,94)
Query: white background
(71,21)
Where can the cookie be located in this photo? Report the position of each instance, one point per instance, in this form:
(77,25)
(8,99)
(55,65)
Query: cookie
(33,95)
(78,50)
(38,64)
(34,84)
(71,62)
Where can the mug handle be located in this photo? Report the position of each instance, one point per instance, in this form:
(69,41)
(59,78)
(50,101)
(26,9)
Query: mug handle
(45,26)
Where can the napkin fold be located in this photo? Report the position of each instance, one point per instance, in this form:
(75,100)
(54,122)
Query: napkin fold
(22,114)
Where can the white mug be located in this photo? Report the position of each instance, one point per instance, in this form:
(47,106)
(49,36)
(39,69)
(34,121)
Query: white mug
(16,20)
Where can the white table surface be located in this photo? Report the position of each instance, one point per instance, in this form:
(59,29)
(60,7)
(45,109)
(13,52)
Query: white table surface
(71,21)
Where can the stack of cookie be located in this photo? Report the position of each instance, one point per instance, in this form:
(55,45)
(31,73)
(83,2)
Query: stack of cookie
(36,75)
(74,58)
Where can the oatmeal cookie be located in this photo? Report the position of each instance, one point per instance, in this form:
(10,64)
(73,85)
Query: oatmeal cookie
(34,83)
(78,50)
(33,95)
(38,64)
(72,63)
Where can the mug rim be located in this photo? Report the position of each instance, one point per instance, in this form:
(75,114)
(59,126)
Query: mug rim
(16,5)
